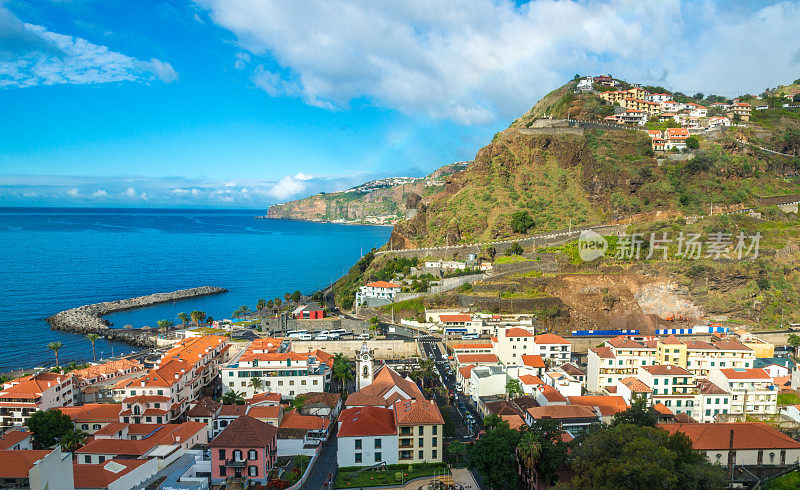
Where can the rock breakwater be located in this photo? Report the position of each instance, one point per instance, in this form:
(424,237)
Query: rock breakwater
(89,318)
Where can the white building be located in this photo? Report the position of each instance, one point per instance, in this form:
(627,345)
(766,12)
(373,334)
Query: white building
(366,436)
(711,401)
(752,390)
(288,373)
(513,343)
(486,381)
(380,291)
(553,347)
(617,359)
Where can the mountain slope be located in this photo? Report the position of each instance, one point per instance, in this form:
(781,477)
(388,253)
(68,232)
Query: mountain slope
(379,200)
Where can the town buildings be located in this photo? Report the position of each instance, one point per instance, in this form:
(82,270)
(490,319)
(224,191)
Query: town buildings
(21,397)
(247,448)
(287,373)
(377,293)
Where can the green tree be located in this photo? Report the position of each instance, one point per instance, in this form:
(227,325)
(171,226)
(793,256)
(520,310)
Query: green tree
(521,222)
(639,413)
(48,427)
(287,297)
(374,324)
(197,317)
(233,397)
(184,318)
(529,448)
(692,142)
(457,449)
(164,324)
(737,118)
(93,338)
(491,421)
(209,320)
(513,388)
(494,456)
(296,296)
(342,370)
(630,456)
(278,302)
(256,383)
(514,249)
(794,340)
(698,96)
(72,439)
(261,304)
(54,346)
(298,402)
(552,450)
(270,304)
(491,252)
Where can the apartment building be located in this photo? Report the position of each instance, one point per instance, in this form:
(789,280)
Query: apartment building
(288,373)
(23,396)
(553,347)
(752,390)
(513,343)
(711,401)
(741,109)
(377,293)
(617,359)
(672,386)
(181,377)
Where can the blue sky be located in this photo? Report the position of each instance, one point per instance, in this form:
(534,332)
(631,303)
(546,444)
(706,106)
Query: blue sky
(246,103)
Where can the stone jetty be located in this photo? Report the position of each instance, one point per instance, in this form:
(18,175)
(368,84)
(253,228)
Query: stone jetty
(89,318)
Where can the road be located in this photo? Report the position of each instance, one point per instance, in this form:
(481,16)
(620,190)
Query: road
(325,466)
(432,349)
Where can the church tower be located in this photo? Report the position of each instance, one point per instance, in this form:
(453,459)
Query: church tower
(364,367)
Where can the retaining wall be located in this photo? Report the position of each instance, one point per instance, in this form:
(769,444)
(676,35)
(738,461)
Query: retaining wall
(382,349)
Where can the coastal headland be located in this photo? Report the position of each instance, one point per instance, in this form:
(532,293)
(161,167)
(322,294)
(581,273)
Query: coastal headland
(89,318)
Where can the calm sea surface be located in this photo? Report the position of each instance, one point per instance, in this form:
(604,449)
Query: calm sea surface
(54,259)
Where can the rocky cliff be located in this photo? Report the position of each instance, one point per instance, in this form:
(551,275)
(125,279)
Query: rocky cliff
(392,199)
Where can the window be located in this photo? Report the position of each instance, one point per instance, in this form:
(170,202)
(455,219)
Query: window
(358,443)
(87,459)
(377,443)
(358,457)
(435,442)
(222,470)
(237,455)
(101,459)
(252,455)
(161,392)
(252,470)
(421,454)
(378,457)
(434,454)
(434,429)
(85,427)
(405,430)
(421,442)
(421,430)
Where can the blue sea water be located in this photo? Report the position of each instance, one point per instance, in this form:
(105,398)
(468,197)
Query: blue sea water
(52,259)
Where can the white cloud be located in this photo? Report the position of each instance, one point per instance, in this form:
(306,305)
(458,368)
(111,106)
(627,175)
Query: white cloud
(130,192)
(31,55)
(74,192)
(289,185)
(473,61)
(100,193)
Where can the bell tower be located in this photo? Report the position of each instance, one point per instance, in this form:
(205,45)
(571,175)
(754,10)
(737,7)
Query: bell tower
(364,367)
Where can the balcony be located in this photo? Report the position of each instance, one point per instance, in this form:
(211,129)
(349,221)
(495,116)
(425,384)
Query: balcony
(235,463)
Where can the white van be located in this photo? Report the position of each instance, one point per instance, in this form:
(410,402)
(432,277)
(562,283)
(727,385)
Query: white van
(338,332)
(469,336)
(305,336)
(364,336)
(295,334)
(322,336)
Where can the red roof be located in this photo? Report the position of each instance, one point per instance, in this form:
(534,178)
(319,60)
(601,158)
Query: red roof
(366,421)
(746,435)
(476,358)
(532,360)
(417,412)
(518,332)
(529,379)
(552,394)
(93,412)
(550,338)
(471,346)
(383,284)
(104,474)
(561,412)
(293,420)
(247,432)
(666,370)
(455,318)
(759,374)
(14,437)
(17,464)
(466,371)
(609,405)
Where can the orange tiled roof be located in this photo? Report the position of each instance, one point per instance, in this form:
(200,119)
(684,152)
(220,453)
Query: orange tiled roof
(192,349)
(517,332)
(270,412)
(417,412)
(293,420)
(366,421)
(603,352)
(529,379)
(14,437)
(383,284)
(759,374)
(746,435)
(263,398)
(466,371)
(246,432)
(666,370)
(93,412)
(561,412)
(636,385)
(471,346)
(550,338)
(455,318)
(532,360)
(17,464)
(613,403)
(111,367)
(476,358)
(104,474)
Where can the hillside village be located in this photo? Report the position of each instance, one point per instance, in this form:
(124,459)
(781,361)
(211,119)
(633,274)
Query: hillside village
(479,349)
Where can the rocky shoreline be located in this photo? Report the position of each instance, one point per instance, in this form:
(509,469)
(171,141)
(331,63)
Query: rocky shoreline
(89,318)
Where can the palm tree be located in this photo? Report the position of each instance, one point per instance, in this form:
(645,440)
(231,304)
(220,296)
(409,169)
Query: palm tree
(237,313)
(54,346)
(184,318)
(209,320)
(374,324)
(529,449)
(342,370)
(92,338)
(72,439)
(233,397)
(256,383)
(287,297)
(197,317)
(164,324)
(245,310)
(262,303)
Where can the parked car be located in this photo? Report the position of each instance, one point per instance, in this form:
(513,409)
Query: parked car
(364,336)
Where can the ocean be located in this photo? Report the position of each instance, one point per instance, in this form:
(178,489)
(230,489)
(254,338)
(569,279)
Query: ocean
(53,259)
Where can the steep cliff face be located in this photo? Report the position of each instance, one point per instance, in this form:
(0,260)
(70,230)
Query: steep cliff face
(382,199)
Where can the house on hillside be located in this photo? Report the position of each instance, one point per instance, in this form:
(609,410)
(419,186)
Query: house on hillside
(377,293)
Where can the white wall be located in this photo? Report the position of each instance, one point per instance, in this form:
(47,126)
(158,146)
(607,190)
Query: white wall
(345,455)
